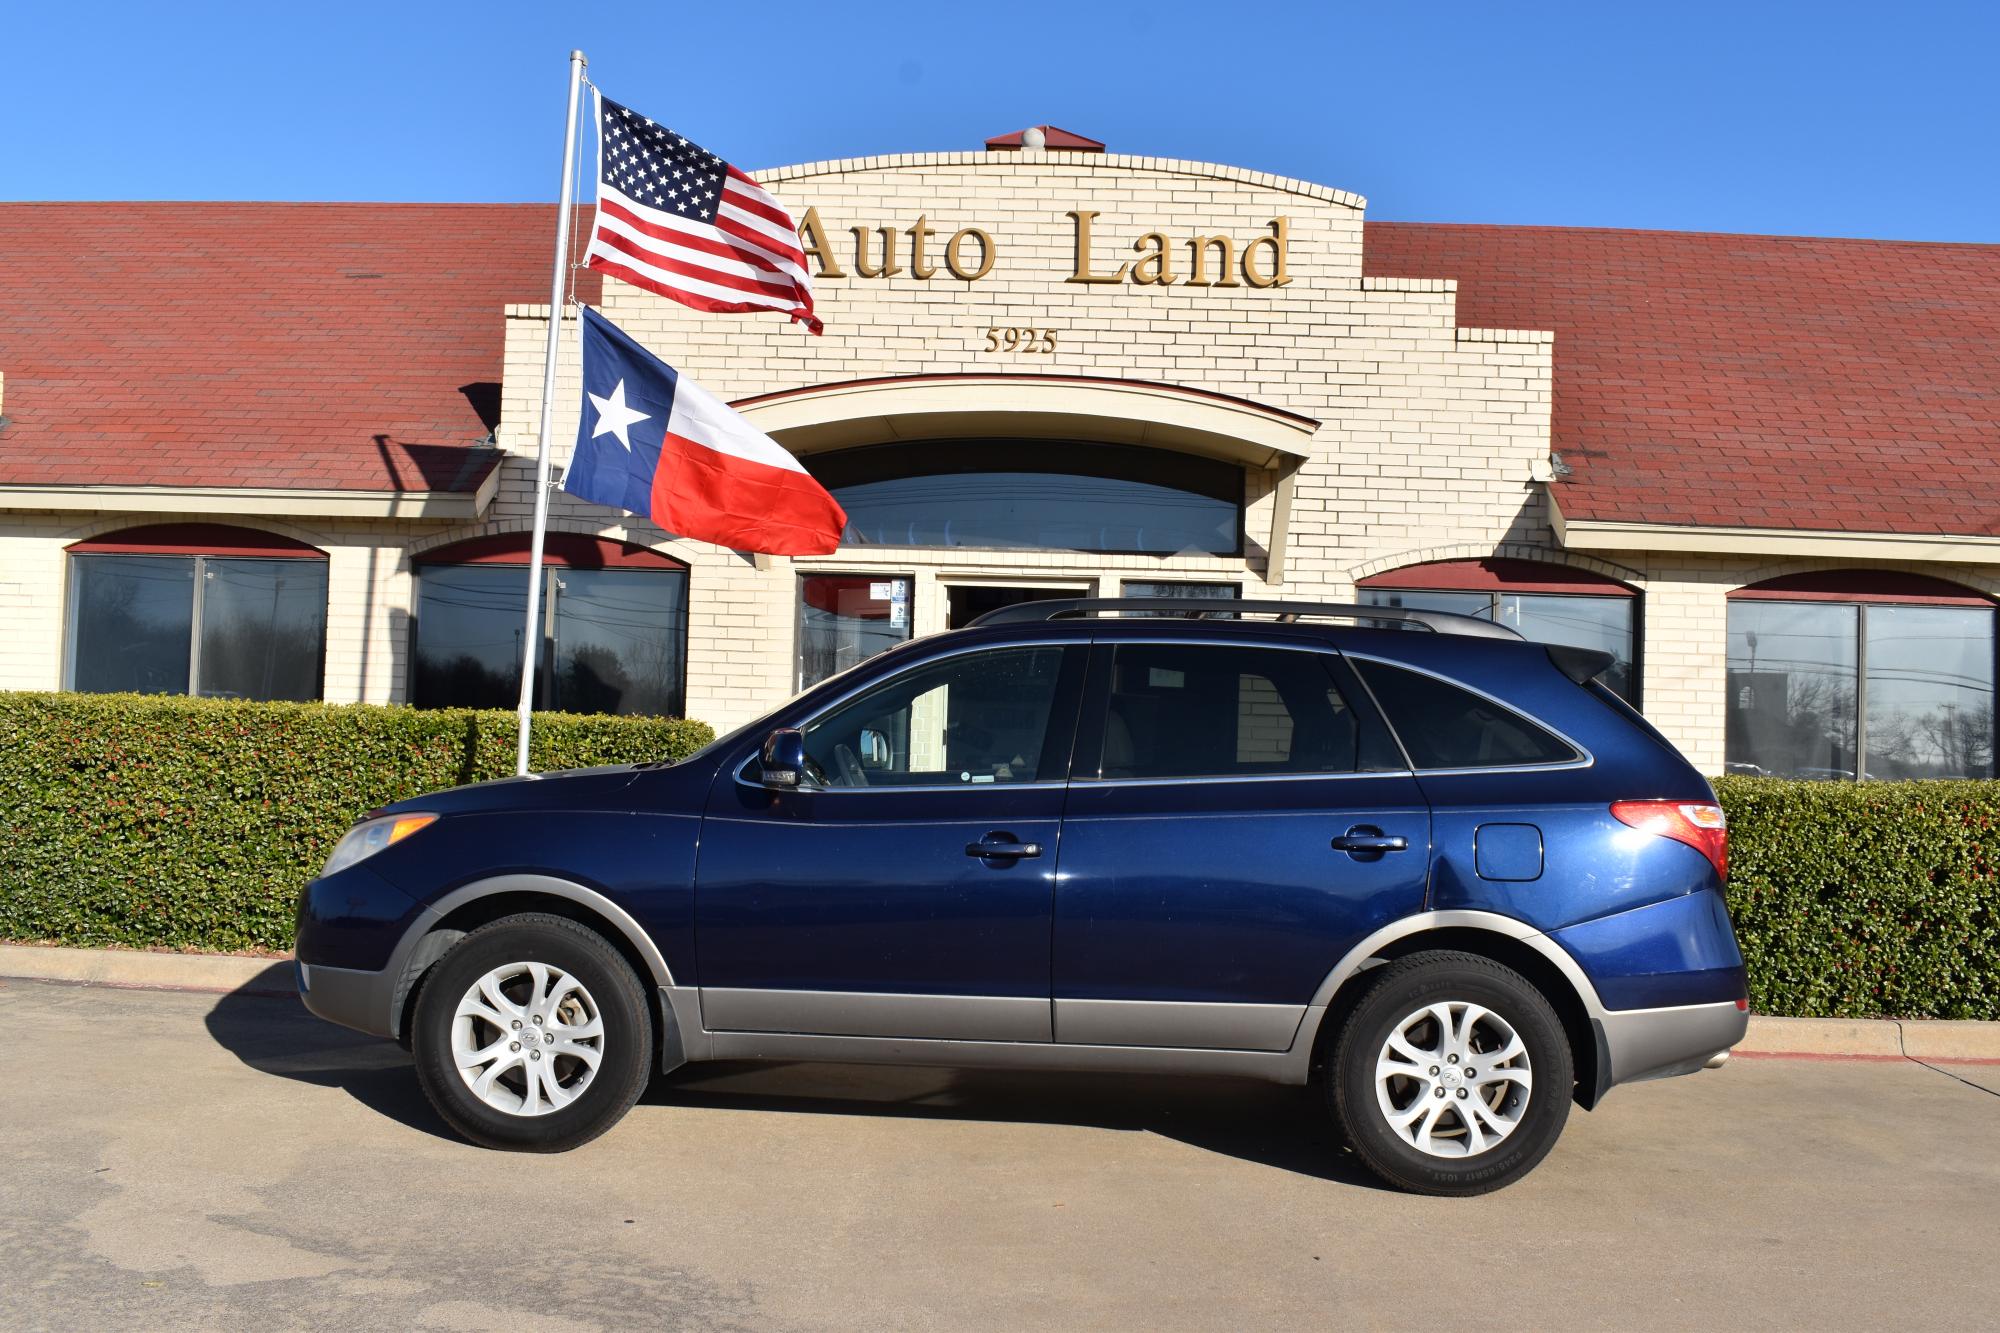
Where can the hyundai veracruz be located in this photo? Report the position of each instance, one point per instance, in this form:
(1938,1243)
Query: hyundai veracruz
(1449,878)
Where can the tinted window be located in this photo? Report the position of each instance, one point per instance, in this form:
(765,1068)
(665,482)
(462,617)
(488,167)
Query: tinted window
(1184,711)
(978,718)
(221,627)
(617,638)
(1035,495)
(1445,726)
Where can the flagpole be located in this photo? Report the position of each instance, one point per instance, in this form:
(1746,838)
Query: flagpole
(531,638)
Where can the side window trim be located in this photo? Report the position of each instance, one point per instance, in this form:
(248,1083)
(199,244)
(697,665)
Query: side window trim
(1583,757)
(1087,762)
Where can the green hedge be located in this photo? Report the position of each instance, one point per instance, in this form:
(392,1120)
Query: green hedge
(192,823)
(1867,900)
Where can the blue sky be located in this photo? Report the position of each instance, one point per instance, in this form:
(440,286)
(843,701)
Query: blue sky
(1823,119)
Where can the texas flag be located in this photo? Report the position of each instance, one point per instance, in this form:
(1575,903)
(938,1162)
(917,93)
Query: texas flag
(654,442)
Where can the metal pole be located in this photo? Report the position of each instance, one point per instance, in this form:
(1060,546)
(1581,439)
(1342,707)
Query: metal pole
(531,638)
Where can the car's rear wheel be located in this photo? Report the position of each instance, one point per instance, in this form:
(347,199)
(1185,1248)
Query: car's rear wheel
(533,1034)
(1452,1075)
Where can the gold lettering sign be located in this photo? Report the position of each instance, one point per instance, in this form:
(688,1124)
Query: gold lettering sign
(1213,260)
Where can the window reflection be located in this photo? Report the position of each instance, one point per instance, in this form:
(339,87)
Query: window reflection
(1792,673)
(1806,701)
(1035,495)
(614,642)
(1578,621)
(220,627)
(848,618)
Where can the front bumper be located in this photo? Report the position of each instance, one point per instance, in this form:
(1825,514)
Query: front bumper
(1634,1045)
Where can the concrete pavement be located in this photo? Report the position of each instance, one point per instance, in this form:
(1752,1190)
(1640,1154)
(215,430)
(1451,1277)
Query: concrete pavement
(189,1160)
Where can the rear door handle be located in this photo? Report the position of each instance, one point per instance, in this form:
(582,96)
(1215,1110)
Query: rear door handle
(1009,851)
(1364,839)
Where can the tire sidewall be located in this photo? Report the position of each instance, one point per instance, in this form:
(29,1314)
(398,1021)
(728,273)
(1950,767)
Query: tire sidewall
(1395,998)
(621,1074)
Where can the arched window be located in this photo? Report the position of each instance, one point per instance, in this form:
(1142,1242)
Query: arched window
(196,608)
(1860,673)
(1546,602)
(614,626)
(1057,495)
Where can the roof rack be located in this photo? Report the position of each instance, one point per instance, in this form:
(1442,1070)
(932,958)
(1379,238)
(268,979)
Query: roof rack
(1202,608)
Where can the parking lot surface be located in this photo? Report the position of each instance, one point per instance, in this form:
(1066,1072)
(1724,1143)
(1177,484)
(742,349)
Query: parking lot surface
(191,1160)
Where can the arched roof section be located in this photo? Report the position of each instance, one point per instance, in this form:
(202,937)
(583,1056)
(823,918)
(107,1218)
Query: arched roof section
(216,539)
(1862,585)
(1497,574)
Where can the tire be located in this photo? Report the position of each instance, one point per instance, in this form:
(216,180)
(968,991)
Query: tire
(537,974)
(1461,1134)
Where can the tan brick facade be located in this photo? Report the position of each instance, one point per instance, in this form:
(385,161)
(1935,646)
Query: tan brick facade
(1416,439)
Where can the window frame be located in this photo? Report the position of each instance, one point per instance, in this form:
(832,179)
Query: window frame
(198,544)
(1089,740)
(1765,593)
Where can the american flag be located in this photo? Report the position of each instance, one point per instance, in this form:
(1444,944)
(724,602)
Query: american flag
(676,219)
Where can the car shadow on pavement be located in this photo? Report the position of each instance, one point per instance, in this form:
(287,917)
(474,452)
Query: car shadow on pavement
(273,1034)
(1282,1127)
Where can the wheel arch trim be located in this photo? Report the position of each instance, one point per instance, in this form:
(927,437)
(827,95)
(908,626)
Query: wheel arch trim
(548,886)
(1491,922)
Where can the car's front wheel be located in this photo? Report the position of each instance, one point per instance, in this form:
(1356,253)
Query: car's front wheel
(533,1034)
(1452,1075)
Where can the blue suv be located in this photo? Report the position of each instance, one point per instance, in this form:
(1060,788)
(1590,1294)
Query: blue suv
(1448,877)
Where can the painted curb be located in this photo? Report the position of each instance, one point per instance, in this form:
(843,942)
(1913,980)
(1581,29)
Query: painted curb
(151,971)
(1873,1038)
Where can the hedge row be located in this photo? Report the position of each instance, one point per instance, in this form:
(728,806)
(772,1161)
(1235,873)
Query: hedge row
(1867,900)
(192,823)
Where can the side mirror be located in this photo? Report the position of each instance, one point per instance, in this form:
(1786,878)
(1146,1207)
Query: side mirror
(784,759)
(874,749)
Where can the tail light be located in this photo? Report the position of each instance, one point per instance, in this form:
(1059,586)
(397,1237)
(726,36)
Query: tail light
(1702,827)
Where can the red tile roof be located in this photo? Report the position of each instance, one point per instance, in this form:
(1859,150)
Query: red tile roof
(308,346)
(1746,381)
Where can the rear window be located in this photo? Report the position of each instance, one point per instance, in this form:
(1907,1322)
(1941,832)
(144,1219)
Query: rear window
(1444,725)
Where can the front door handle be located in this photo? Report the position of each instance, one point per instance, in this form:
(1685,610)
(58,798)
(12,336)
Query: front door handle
(1364,839)
(1000,849)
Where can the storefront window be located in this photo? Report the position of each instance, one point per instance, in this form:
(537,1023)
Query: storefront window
(848,618)
(1829,688)
(1572,616)
(1173,588)
(151,618)
(1035,495)
(613,637)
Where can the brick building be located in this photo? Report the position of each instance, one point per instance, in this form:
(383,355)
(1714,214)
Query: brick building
(286,450)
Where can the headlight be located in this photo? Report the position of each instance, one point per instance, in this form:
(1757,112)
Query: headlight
(371,836)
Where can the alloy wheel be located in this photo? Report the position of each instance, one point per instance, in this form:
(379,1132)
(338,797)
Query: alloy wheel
(1453,1079)
(527,1038)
